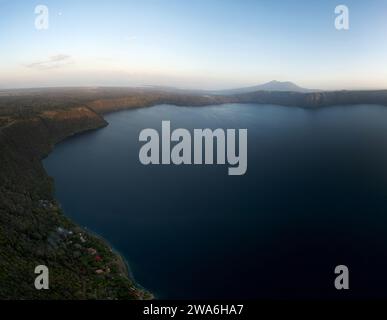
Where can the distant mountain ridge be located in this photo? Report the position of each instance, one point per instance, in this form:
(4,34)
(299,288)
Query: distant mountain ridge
(282,86)
(279,86)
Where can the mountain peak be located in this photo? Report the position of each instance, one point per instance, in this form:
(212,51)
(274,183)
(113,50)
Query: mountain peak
(274,85)
(281,86)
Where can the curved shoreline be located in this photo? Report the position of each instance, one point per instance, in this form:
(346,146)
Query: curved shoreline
(122,260)
(24,143)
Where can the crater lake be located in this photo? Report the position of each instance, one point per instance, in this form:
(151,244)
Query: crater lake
(314,197)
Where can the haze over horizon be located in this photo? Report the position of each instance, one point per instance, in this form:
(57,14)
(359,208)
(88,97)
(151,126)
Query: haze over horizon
(199,45)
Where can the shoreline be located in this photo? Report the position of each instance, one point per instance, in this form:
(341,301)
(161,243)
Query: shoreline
(123,262)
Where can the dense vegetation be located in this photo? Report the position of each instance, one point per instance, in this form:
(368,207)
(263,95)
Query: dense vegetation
(33,229)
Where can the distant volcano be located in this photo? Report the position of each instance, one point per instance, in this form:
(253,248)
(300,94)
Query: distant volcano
(270,86)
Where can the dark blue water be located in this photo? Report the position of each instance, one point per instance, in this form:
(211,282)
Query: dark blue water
(314,197)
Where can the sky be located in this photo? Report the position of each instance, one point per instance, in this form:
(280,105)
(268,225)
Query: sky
(208,44)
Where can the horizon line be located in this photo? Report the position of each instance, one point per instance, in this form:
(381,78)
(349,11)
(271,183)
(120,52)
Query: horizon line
(166,87)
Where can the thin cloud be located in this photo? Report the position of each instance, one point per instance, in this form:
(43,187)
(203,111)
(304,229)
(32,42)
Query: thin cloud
(52,62)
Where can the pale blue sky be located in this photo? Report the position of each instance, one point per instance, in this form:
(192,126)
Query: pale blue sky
(196,44)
